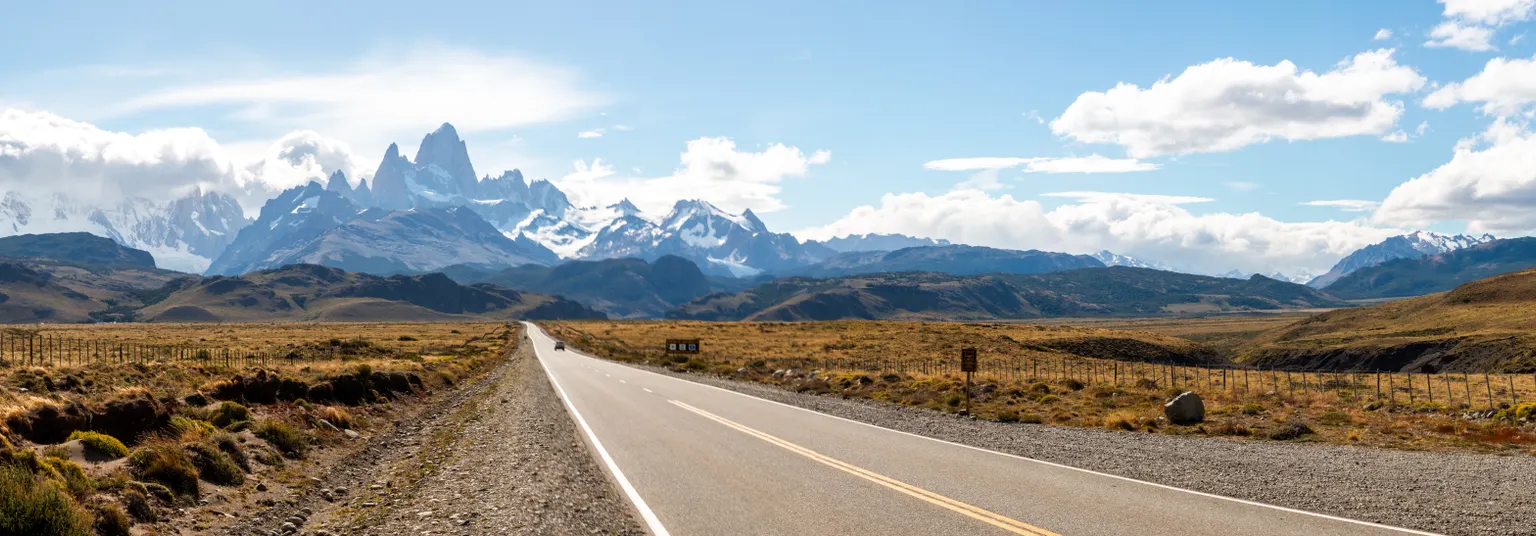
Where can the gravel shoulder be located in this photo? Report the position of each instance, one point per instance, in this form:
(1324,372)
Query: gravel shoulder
(1446,493)
(500,456)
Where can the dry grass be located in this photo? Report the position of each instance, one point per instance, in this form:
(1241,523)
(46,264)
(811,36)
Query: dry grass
(884,361)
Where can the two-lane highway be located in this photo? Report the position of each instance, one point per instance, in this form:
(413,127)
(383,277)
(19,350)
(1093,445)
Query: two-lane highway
(699,460)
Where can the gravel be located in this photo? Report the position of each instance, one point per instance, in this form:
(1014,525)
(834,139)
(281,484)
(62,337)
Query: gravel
(1449,493)
(508,462)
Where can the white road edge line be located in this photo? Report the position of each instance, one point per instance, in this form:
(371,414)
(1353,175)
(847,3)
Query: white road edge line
(629,490)
(647,390)
(1043,462)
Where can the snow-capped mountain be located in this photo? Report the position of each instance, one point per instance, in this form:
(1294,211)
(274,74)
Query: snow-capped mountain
(183,234)
(1301,277)
(442,176)
(317,225)
(1409,246)
(1115,259)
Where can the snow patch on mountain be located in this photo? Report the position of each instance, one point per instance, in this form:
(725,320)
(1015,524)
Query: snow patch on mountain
(1409,246)
(183,234)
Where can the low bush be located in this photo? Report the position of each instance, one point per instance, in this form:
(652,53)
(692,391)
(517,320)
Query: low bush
(100,443)
(1252,408)
(1291,429)
(1040,387)
(229,413)
(337,416)
(1073,384)
(407,338)
(266,455)
(110,520)
(1120,421)
(29,505)
(228,443)
(195,399)
(191,428)
(1030,418)
(73,477)
(165,463)
(1008,416)
(138,506)
(214,465)
(279,434)
(1048,399)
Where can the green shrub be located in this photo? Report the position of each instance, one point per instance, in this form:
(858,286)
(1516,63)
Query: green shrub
(1008,416)
(1040,387)
(214,465)
(1030,418)
(1334,418)
(110,520)
(407,338)
(183,426)
(1073,384)
(1048,399)
(167,464)
(266,455)
(1252,408)
(1292,429)
(228,443)
(29,505)
(364,371)
(279,434)
(100,443)
(229,413)
(138,506)
(71,475)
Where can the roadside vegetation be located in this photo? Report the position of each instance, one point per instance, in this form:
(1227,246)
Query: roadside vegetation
(1059,375)
(164,446)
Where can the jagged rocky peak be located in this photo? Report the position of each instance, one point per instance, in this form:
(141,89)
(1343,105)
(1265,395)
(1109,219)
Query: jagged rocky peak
(444,149)
(544,194)
(338,182)
(625,208)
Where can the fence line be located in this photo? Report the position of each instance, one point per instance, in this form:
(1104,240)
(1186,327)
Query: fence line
(26,349)
(1458,390)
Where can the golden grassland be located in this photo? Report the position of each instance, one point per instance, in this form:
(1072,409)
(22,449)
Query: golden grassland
(277,443)
(1047,374)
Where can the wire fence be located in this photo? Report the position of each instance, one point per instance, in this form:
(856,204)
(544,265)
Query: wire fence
(29,349)
(1452,390)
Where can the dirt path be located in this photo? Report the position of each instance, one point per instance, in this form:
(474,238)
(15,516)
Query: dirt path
(504,458)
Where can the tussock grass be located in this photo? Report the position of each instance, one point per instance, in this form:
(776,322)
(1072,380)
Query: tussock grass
(33,505)
(110,520)
(285,438)
(214,465)
(165,463)
(100,443)
(228,413)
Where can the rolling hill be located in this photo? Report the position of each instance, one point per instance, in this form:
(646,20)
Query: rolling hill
(76,248)
(317,293)
(1115,291)
(1436,273)
(74,277)
(1486,325)
(623,288)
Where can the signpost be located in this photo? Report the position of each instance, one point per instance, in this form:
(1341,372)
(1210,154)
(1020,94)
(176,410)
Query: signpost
(682,346)
(968,366)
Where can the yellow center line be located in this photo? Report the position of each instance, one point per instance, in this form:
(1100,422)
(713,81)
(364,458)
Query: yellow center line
(991,518)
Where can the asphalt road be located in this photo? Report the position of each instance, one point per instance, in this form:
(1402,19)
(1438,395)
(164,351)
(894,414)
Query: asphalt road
(698,460)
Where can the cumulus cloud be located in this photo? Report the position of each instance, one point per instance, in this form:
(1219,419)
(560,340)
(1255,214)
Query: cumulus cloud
(1453,34)
(40,151)
(1504,87)
(713,169)
(1087,164)
(1228,104)
(1383,34)
(390,97)
(1150,226)
(1470,24)
(1490,183)
(1346,205)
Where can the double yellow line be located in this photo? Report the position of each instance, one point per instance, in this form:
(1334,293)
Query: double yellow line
(994,519)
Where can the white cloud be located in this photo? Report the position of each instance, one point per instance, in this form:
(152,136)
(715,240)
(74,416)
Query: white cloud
(1086,164)
(713,169)
(1516,39)
(1228,104)
(1490,183)
(1035,115)
(1490,12)
(1422,128)
(588,134)
(42,152)
(1470,24)
(1346,205)
(1453,34)
(1383,34)
(1396,137)
(623,128)
(387,98)
(1155,227)
(1504,87)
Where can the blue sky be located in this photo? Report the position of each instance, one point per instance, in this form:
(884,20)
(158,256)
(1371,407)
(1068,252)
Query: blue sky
(881,87)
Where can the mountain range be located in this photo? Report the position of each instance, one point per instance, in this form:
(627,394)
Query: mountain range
(1436,273)
(183,234)
(621,288)
(950,259)
(1087,292)
(1409,246)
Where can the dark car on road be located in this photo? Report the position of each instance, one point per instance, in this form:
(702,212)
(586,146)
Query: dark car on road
(559,345)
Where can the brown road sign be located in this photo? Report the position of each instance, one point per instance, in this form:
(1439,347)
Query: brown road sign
(967,360)
(682,346)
